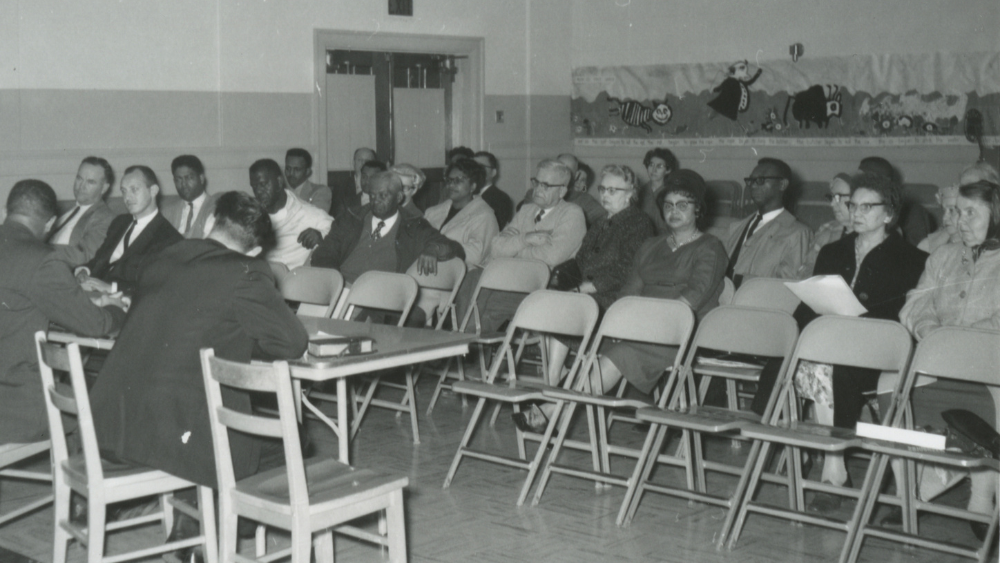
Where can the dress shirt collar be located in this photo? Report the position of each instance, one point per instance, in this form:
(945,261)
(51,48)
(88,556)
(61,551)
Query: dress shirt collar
(768,217)
(388,223)
(291,204)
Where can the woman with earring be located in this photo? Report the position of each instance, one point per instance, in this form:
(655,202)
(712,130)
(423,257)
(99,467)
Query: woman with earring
(881,267)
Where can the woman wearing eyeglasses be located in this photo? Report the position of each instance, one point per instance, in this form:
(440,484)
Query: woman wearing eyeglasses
(880,266)
(839,196)
(463,217)
(961,287)
(947,196)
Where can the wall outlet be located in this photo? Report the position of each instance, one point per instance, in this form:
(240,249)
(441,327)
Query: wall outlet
(499,116)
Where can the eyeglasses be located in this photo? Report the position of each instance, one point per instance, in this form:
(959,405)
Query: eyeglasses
(535,182)
(455,180)
(862,208)
(759,180)
(611,191)
(838,198)
(682,206)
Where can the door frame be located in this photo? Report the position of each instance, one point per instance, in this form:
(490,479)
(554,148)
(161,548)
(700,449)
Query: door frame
(470,96)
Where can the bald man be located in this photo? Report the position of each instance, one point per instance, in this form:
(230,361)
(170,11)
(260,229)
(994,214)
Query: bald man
(384,238)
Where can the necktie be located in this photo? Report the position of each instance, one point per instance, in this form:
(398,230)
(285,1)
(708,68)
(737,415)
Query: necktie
(62,223)
(739,245)
(128,235)
(190,219)
(377,233)
(539,216)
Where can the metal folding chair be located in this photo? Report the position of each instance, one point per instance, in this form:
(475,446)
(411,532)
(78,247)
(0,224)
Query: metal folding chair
(851,341)
(637,319)
(954,353)
(544,312)
(316,289)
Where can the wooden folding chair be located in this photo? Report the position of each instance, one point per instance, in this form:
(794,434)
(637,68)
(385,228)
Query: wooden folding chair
(545,312)
(638,319)
(316,289)
(738,331)
(305,497)
(851,341)
(954,353)
(13,454)
(515,275)
(101,484)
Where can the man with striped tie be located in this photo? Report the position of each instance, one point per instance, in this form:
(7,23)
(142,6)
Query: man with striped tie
(133,240)
(193,214)
(79,232)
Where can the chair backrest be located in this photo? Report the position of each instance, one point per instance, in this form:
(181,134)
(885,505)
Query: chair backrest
(550,312)
(385,291)
(766,293)
(437,292)
(279,270)
(72,402)
(316,289)
(260,378)
(667,322)
(517,275)
(728,292)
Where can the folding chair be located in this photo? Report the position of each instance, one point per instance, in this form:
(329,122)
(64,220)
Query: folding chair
(316,289)
(740,331)
(867,343)
(437,292)
(546,312)
(639,319)
(304,497)
(13,454)
(955,353)
(389,293)
(101,484)
(502,274)
(279,270)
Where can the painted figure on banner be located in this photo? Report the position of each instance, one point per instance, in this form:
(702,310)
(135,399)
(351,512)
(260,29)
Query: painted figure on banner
(817,104)
(637,115)
(734,92)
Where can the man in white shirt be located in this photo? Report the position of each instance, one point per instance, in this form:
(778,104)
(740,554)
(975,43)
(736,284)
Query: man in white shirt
(298,170)
(194,214)
(79,232)
(298,226)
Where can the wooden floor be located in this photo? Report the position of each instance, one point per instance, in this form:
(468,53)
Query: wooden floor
(476,518)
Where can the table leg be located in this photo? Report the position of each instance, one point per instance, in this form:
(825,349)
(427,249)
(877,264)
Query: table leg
(345,434)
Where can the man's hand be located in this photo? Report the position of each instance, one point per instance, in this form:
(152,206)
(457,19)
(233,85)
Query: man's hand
(538,238)
(587,287)
(114,299)
(93,284)
(81,274)
(309,238)
(427,265)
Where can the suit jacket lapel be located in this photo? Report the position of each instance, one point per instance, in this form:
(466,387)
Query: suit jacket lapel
(81,225)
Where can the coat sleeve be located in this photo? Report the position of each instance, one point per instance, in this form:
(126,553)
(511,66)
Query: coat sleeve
(479,235)
(566,239)
(795,254)
(510,241)
(633,283)
(613,274)
(263,314)
(707,271)
(60,298)
(438,245)
(919,314)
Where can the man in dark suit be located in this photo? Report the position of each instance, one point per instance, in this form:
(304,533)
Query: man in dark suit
(193,214)
(503,206)
(133,240)
(79,232)
(200,293)
(349,195)
(36,287)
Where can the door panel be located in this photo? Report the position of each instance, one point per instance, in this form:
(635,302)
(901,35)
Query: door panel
(350,117)
(419,125)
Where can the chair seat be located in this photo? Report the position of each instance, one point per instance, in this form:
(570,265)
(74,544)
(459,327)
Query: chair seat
(700,418)
(805,435)
(491,338)
(606,401)
(950,458)
(496,392)
(123,482)
(331,485)
(729,372)
(19,451)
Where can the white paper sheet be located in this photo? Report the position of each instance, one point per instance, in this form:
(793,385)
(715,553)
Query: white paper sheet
(828,295)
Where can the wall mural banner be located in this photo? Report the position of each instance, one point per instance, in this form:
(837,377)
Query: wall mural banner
(935,99)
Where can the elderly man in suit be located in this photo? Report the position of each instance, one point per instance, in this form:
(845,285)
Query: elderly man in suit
(771,243)
(298,170)
(193,214)
(37,287)
(79,232)
(133,240)
(201,293)
(298,226)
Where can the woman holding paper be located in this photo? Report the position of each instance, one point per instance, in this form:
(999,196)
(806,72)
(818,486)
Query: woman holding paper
(880,267)
(961,287)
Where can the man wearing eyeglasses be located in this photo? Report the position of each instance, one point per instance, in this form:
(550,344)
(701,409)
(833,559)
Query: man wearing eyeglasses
(771,243)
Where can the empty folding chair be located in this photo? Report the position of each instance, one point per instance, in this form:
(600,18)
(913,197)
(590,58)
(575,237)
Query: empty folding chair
(950,353)
(437,292)
(315,289)
(304,497)
(663,322)
(849,341)
(515,275)
(736,330)
(102,485)
(548,313)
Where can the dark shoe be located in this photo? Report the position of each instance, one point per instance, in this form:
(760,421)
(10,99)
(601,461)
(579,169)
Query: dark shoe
(533,420)
(894,517)
(824,503)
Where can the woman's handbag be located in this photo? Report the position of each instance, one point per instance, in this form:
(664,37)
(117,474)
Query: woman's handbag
(566,276)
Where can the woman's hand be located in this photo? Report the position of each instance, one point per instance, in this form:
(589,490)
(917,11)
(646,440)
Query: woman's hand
(587,287)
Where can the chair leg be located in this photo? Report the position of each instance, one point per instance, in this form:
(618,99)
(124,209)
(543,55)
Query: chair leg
(410,392)
(738,492)
(364,405)
(301,540)
(323,547)
(640,475)
(543,481)
(168,512)
(96,520)
(536,462)
(465,442)
(260,541)
(864,508)
(397,527)
(741,513)
(61,509)
(230,540)
(206,505)
(440,385)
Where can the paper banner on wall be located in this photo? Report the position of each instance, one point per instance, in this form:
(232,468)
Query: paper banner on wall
(936,98)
